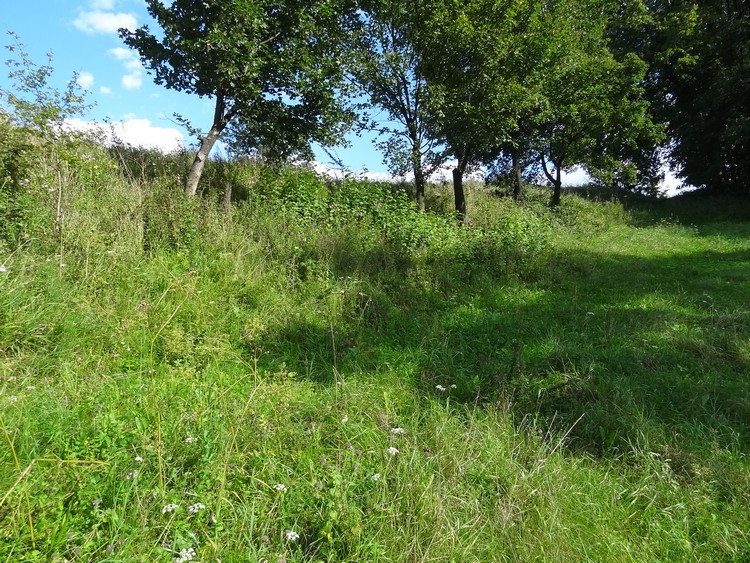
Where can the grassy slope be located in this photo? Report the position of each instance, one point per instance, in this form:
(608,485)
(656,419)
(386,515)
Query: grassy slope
(600,408)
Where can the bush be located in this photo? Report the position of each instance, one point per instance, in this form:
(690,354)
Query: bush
(15,165)
(38,112)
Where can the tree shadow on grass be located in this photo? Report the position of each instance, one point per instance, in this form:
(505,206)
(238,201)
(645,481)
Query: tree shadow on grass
(641,351)
(691,208)
(619,351)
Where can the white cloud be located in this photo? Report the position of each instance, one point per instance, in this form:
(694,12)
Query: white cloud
(128,58)
(445,174)
(339,174)
(105,90)
(325,170)
(575,177)
(442,174)
(97,21)
(132,81)
(85,80)
(136,132)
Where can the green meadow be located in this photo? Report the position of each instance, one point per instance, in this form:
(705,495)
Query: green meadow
(323,373)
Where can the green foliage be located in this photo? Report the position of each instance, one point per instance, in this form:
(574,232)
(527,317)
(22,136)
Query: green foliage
(14,170)
(169,217)
(595,111)
(142,166)
(273,69)
(697,64)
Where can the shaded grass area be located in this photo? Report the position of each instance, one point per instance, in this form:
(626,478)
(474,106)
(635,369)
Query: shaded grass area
(577,393)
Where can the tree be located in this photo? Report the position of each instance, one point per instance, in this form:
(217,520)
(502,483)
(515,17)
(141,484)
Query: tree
(36,105)
(271,66)
(698,55)
(595,113)
(386,69)
(479,57)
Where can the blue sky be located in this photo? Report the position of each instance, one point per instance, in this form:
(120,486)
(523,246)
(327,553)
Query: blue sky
(82,35)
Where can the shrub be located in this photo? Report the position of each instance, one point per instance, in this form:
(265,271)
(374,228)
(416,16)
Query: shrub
(35,120)
(15,165)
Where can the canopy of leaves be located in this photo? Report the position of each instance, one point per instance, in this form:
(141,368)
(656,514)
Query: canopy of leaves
(275,64)
(385,68)
(477,56)
(594,113)
(699,63)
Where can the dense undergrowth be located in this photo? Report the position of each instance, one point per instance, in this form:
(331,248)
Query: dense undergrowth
(323,373)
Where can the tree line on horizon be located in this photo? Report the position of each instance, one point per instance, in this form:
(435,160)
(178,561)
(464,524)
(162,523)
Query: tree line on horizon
(522,88)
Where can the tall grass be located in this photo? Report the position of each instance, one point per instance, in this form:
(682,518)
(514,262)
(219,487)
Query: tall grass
(327,374)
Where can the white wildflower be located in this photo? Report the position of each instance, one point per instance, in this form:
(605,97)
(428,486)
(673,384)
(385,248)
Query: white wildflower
(171,507)
(190,440)
(281,487)
(197,507)
(345,419)
(292,535)
(132,475)
(392,451)
(186,554)
(440,388)
(139,459)
(398,431)
(375,477)
(3,269)
(453,386)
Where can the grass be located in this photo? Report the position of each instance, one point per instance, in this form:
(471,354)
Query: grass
(553,385)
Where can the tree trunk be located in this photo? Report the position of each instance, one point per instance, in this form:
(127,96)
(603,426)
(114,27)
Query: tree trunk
(557,190)
(416,161)
(196,170)
(555,180)
(419,182)
(222,117)
(517,177)
(458,194)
